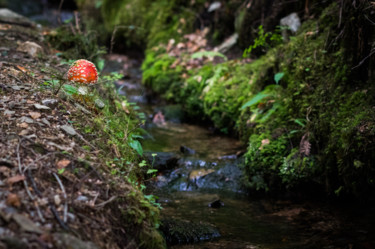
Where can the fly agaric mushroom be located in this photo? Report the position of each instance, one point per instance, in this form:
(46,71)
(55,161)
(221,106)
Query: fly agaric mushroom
(83,71)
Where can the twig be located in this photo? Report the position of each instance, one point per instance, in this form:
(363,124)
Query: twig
(39,212)
(59,12)
(54,211)
(65,197)
(340,17)
(21,172)
(86,142)
(100,205)
(362,61)
(38,193)
(76,17)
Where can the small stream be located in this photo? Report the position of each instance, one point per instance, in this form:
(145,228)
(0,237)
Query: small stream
(199,185)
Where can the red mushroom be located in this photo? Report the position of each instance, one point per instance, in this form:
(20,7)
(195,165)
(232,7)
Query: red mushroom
(83,71)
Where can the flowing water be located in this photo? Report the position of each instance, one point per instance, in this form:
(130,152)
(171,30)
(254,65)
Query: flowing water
(209,171)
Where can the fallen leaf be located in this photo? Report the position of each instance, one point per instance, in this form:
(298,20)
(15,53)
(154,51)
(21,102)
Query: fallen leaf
(264,143)
(15,179)
(24,132)
(35,115)
(63,163)
(23,125)
(13,200)
(22,69)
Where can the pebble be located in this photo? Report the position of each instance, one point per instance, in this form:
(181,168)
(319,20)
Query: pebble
(52,103)
(41,107)
(69,130)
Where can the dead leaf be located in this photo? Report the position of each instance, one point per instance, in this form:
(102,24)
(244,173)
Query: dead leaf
(15,179)
(24,132)
(22,69)
(13,200)
(35,115)
(305,145)
(62,163)
(264,143)
(124,106)
(23,125)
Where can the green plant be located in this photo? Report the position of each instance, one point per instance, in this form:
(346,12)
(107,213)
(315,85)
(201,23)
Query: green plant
(265,40)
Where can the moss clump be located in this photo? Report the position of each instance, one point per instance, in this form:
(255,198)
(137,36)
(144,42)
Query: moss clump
(145,23)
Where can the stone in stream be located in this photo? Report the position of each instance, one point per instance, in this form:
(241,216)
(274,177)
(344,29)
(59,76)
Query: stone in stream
(186,150)
(184,232)
(162,160)
(216,204)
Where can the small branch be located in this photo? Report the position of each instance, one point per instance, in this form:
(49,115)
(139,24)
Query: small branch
(362,61)
(76,17)
(100,205)
(54,211)
(65,197)
(61,83)
(340,17)
(39,212)
(59,12)
(21,172)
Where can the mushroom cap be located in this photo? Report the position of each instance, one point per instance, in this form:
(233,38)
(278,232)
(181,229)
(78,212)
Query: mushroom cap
(83,71)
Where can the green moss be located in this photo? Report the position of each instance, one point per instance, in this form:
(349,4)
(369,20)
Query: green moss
(317,122)
(146,22)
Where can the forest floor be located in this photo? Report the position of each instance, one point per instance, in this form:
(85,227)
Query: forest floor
(55,188)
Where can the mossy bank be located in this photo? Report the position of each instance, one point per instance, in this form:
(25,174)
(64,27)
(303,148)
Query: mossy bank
(304,106)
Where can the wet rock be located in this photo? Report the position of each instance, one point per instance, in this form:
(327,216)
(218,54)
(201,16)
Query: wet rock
(216,204)
(186,150)
(228,157)
(227,178)
(64,240)
(184,232)
(31,48)
(162,160)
